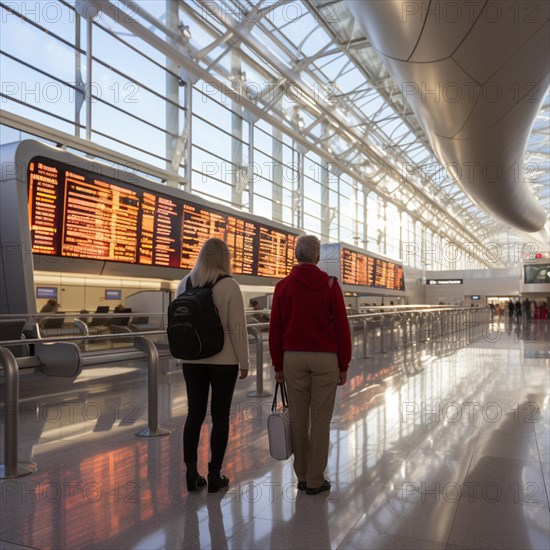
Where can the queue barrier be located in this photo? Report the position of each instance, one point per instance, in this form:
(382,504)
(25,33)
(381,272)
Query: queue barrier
(418,327)
(11,467)
(69,361)
(61,357)
(255,331)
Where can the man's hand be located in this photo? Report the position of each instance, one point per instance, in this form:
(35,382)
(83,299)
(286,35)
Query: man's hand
(343,377)
(244,374)
(279,376)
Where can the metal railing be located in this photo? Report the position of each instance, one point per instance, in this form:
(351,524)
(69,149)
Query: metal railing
(415,326)
(259,340)
(11,467)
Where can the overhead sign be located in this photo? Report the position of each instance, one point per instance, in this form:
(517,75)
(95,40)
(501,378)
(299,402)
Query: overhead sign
(443,281)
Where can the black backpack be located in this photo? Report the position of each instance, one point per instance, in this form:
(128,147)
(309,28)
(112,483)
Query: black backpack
(195,330)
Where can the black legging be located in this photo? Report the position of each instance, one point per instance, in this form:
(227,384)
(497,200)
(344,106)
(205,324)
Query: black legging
(198,379)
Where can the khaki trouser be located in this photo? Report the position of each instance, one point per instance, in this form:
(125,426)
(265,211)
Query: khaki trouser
(311,380)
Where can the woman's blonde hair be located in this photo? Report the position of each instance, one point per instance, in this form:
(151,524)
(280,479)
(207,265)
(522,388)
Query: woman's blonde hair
(213,260)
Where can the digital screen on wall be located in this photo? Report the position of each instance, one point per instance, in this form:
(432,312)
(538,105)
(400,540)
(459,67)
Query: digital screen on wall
(364,270)
(46,292)
(113,294)
(537,274)
(81,214)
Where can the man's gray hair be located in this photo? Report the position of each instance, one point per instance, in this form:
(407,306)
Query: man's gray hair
(308,249)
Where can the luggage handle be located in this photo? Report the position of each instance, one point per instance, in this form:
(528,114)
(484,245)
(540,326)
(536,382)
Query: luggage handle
(284,396)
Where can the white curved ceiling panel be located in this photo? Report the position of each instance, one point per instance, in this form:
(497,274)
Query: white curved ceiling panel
(476,94)
(426,86)
(491,45)
(396,32)
(446,23)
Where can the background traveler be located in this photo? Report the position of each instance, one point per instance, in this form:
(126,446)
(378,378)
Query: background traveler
(51,306)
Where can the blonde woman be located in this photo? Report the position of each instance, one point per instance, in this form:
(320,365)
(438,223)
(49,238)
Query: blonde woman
(218,372)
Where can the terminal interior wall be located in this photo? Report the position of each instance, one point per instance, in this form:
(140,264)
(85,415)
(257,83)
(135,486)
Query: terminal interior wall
(485,283)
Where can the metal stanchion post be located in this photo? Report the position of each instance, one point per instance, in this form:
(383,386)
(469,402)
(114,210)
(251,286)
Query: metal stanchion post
(82,327)
(484,318)
(392,330)
(11,468)
(146,346)
(259,363)
(366,339)
(382,350)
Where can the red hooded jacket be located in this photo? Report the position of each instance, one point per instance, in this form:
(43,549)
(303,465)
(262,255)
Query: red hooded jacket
(308,315)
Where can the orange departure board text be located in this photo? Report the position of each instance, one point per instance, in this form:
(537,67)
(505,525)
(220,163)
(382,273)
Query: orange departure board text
(364,270)
(275,251)
(77,213)
(44,208)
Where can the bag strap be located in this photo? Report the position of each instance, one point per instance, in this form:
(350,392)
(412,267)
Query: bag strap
(284,397)
(188,285)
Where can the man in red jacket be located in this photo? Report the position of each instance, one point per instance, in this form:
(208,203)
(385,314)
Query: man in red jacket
(310,346)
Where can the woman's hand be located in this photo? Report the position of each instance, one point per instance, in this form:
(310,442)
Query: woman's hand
(279,376)
(244,374)
(343,377)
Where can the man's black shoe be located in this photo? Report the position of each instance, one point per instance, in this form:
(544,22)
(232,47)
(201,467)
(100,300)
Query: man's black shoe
(316,490)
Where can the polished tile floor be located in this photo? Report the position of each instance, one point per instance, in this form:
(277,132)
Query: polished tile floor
(439,446)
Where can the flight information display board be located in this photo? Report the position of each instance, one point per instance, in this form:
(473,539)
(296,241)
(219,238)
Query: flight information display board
(364,270)
(77,213)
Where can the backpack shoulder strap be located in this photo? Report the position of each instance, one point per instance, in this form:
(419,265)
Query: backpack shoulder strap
(188,285)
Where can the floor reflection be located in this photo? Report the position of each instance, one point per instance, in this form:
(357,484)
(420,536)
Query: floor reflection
(412,430)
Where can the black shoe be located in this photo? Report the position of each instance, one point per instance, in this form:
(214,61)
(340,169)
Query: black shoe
(193,479)
(302,485)
(316,490)
(194,482)
(216,482)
